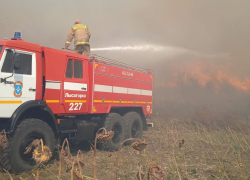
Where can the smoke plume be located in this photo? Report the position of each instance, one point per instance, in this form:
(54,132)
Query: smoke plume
(199,50)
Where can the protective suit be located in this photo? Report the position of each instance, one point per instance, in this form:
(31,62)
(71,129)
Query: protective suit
(81,35)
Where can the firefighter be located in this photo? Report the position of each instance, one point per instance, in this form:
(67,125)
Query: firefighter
(81,35)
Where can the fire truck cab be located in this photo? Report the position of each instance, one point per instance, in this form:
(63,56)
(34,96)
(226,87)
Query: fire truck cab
(52,94)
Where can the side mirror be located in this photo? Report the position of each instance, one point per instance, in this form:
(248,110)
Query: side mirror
(17,61)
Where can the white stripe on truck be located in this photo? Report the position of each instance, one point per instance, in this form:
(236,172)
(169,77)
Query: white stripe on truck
(146,92)
(103,88)
(75,86)
(122,90)
(134,91)
(53,85)
(97,88)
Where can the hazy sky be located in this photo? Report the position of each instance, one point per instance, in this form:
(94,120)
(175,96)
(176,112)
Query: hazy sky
(205,26)
(213,35)
(206,30)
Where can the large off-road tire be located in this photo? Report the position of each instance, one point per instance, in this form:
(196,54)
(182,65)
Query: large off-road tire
(115,122)
(12,157)
(135,126)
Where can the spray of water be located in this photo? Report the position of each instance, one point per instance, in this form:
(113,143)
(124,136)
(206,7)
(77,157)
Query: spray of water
(132,48)
(170,50)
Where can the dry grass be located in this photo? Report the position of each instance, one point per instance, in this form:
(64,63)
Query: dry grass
(176,149)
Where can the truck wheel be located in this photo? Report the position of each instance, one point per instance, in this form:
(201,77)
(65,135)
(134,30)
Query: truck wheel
(115,122)
(135,126)
(12,157)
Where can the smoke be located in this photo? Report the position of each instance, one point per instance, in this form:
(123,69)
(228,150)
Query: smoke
(170,50)
(199,50)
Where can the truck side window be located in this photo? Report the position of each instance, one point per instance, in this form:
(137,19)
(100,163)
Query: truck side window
(69,71)
(26,64)
(7,65)
(1,47)
(78,69)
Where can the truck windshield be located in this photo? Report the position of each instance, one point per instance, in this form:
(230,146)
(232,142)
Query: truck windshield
(1,47)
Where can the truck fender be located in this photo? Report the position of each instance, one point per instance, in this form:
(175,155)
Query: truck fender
(30,104)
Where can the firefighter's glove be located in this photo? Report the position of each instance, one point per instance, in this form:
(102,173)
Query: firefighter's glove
(67,45)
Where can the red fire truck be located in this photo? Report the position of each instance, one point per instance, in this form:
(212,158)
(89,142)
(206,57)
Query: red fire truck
(53,94)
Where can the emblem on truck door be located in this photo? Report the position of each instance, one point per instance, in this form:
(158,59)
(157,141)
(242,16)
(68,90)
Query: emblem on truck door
(18,87)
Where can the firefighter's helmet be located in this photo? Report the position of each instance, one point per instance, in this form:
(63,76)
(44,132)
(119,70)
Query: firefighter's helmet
(78,21)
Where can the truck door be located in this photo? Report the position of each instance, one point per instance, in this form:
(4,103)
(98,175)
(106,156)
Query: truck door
(19,87)
(75,92)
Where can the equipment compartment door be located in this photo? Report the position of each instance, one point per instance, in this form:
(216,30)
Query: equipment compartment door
(75,92)
(19,87)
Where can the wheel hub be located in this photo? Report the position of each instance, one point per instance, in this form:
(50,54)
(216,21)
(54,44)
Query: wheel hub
(26,143)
